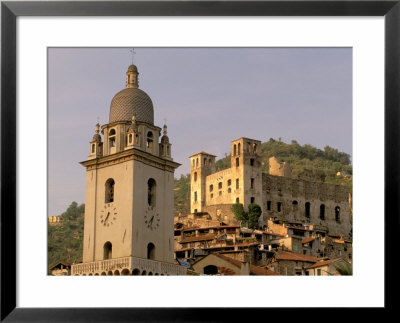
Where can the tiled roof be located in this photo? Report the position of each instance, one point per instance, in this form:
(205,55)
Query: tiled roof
(307,240)
(129,102)
(255,270)
(203,152)
(284,255)
(213,227)
(323,263)
(199,238)
(58,265)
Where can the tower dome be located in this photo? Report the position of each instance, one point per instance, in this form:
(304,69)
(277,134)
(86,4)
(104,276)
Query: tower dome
(131,101)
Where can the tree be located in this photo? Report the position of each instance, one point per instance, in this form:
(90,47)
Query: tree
(253,215)
(249,218)
(239,213)
(344,269)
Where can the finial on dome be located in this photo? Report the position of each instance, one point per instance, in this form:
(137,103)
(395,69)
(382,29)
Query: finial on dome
(132,79)
(97,136)
(134,119)
(165,130)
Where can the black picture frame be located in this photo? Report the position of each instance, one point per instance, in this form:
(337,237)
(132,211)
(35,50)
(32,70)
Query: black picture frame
(10,10)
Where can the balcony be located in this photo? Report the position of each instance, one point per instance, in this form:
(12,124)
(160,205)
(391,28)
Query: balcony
(126,266)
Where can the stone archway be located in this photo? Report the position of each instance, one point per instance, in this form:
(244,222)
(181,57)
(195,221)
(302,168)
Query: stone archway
(136,272)
(210,270)
(125,272)
(110,273)
(116,273)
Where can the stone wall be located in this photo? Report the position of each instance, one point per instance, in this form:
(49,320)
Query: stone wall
(221,212)
(295,200)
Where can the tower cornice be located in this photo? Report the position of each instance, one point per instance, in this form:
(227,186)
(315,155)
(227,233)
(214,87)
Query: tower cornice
(131,154)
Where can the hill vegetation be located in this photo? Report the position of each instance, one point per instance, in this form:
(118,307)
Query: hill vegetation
(65,239)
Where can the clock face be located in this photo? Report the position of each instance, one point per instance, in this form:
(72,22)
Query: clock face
(151,219)
(108,215)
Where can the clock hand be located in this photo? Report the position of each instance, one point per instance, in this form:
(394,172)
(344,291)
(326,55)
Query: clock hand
(108,214)
(151,220)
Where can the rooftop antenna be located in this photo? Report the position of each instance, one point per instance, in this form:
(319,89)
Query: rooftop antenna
(133,54)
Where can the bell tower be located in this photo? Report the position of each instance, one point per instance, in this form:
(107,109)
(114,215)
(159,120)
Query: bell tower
(129,187)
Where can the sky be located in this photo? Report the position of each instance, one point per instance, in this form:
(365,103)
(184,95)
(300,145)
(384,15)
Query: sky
(207,97)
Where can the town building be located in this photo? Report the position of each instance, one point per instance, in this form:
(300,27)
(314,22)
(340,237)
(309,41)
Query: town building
(327,268)
(128,227)
(61,269)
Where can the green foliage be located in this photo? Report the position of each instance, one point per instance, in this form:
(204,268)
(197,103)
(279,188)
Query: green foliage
(223,163)
(344,269)
(182,195)
(253,215)
(65,239)
(250,218)
(239,213)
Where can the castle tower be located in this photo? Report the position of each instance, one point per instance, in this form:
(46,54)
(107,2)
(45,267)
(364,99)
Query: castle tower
(246,171)
(129,190)
(202,164)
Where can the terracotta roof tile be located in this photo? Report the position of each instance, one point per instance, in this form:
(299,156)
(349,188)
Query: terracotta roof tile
(284,255)
(199,238)
(323,263)
(307,240)
(255,270)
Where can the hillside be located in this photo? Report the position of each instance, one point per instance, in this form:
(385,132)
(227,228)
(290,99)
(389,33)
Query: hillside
(65,240)
(323,163)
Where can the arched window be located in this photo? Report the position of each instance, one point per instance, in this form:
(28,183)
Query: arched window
(322,212)
(151,192)
(93,147)
(234,150)
(209,162)
(107,249)
(151,250)
(279,206)
(205,161)
(337,213)
(195,196)
(211,187)
(111,138)
(149,139)
(237,161)
(109,191)
(195,176)
(220,185)
(237,200)
(197,162)
(238,148)
(130,138)
(307,209)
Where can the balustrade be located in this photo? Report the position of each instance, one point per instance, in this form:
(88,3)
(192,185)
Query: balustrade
(128,263)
